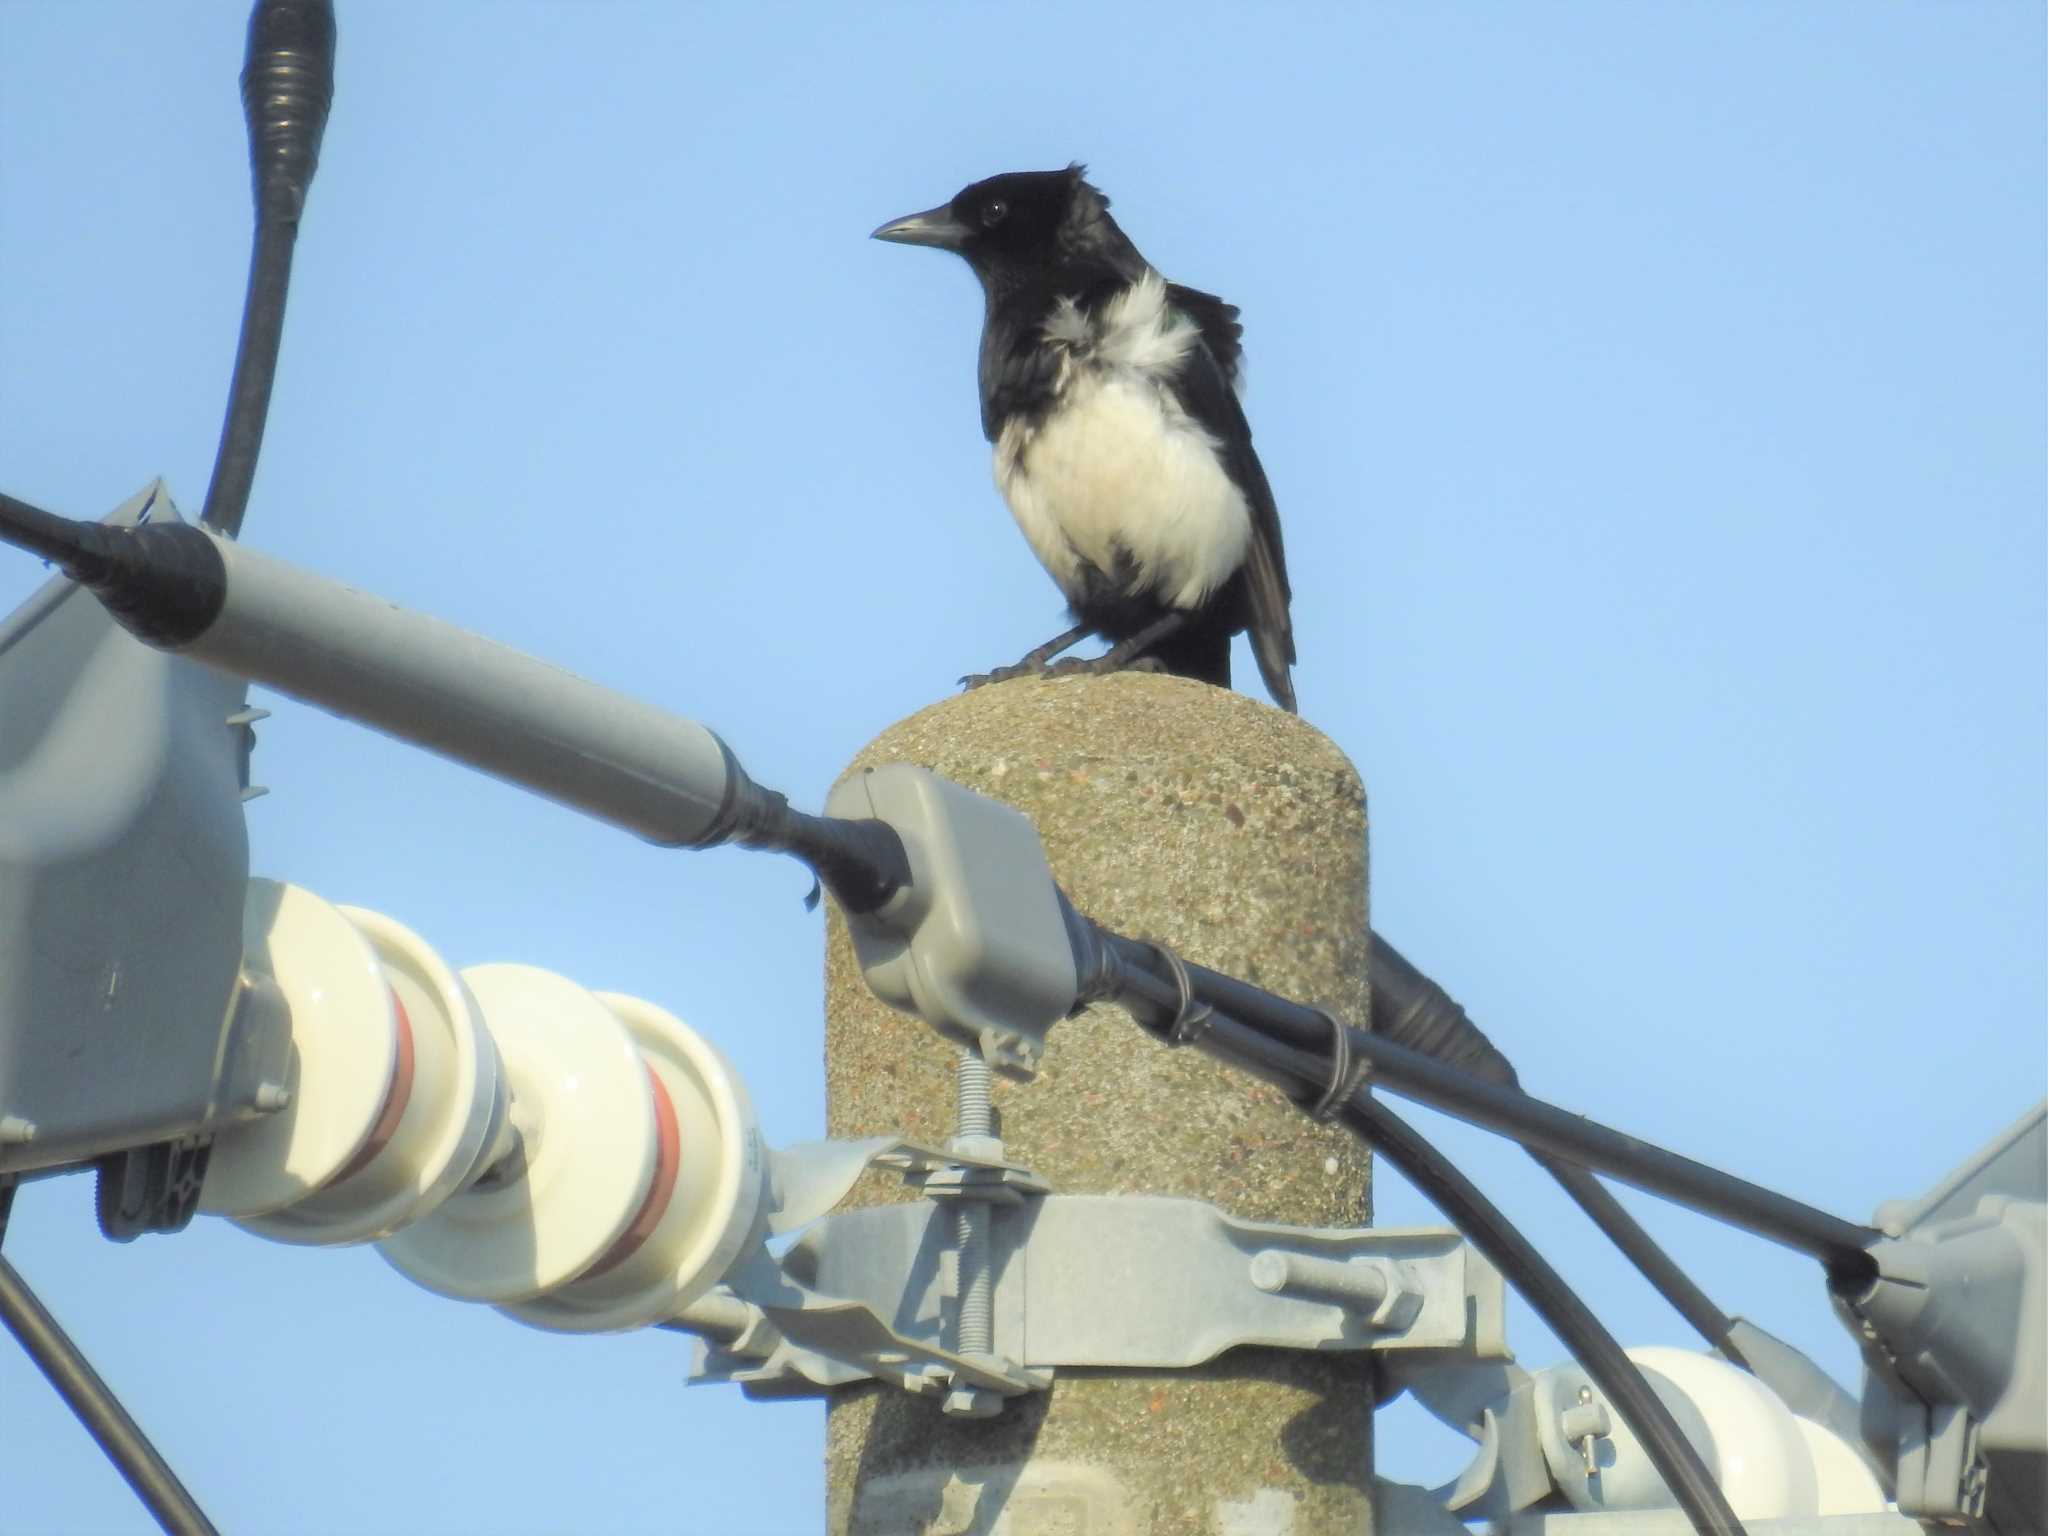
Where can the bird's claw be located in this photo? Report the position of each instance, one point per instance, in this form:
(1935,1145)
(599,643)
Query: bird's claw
(1103,666)
(1070,666)
(1002,675)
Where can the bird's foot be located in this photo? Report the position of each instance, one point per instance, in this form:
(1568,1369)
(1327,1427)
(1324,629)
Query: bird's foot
(1071,666)
(1102,666)
(975,680)
(1032,664)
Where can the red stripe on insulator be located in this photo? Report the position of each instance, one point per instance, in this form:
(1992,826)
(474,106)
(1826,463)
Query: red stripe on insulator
(668,1161)
(397,1095)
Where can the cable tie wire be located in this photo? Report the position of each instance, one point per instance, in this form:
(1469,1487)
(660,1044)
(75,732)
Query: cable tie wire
(1191,1015)
(1347,1074)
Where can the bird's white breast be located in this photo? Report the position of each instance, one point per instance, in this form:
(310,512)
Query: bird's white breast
(1116,466)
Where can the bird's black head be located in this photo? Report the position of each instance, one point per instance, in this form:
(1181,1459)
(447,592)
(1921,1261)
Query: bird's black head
(1016,222)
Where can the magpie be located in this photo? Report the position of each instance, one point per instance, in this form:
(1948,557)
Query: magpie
(1110,395)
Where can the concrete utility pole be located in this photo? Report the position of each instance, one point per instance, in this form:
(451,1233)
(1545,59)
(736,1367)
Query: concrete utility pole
(1237,834)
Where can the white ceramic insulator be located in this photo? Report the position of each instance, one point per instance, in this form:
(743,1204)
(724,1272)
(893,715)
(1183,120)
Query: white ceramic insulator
(1745,1434)
(394,1087)
(714,1204)
(344,1053)
(586,1162)
(454,1108)
(1846,1485)
(585,1158)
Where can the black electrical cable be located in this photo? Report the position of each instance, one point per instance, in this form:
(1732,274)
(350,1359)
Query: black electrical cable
(1164,1013)
(1840,1245)
(287,89)
(241,432)
(862,862)
(164,582)
(126,1446)
(1412,1010)
(1645,1253)
(1595,1349)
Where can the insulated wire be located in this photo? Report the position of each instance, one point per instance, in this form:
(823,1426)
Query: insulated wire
(1642,1250)
(1411,1009)
(1841,1246)
(1546,1291)
(1553,1300)
(101,1413)
(241,432)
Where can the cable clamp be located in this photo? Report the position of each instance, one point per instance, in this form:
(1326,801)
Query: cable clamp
(1191,1015)
(1347,1075)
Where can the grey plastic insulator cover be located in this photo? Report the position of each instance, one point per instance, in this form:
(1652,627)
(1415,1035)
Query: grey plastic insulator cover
(1955,1332)
(123,859)
(1959,1307)
(425,681)
(976,945)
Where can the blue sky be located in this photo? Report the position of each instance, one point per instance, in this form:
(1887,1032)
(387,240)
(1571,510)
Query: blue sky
(1654,398)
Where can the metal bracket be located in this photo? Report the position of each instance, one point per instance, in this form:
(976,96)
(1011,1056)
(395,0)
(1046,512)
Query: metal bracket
(1152,1282)
(767,1330)
(853,1333)
(1492,1403)
(810,1178)
(1079,1280)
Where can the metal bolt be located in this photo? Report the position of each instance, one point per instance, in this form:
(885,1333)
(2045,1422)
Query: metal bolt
(971,1217)
(976,1331)
(971,1080)
(1583,1426)
(1360,1287)
(272,1097)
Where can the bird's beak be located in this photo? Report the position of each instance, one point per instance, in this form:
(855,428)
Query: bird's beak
(935,226)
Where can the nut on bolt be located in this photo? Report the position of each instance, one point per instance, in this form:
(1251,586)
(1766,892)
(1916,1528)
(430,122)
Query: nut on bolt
(972,1403)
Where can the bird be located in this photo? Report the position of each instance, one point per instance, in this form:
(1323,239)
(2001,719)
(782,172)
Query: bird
(1110,396)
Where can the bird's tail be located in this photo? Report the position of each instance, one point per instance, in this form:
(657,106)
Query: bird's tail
(1274,652)
(1269,623)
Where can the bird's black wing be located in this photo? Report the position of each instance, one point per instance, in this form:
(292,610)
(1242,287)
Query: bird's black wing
(1019,367)
(1204,387)
(1221,333)
(1018,371)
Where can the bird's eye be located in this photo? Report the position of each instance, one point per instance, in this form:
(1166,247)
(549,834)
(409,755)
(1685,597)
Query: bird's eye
(993,212)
